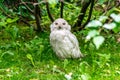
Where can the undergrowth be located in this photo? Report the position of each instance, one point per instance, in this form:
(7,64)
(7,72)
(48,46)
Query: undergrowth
(25,55)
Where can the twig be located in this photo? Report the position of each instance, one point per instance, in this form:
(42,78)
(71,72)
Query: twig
(6,13)
(61,8)
(38,18)
(81,16)
(48,11)
(24,21)
(27,6)
(116,4)
(90,14)
(107,6)
(27,3)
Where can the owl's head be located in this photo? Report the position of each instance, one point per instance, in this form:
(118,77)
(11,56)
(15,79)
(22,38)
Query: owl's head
(60,24)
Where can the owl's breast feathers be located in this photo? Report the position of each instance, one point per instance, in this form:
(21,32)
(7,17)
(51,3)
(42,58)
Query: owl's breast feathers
(65,44)
(58,35)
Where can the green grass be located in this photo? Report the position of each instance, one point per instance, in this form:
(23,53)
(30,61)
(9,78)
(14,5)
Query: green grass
(28,56)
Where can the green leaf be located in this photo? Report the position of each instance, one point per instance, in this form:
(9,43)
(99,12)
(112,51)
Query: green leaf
(91,34)
(15,32)
(65,63)
(28,46)
(52,1)
(2,6)
(115,17)
(109,26)
(41,48)
(103,18)
(94,23)
(9,20)
(29,56)
(116,29)
(3,23)
(98,40)
(1,1)
(7,52)
(85,76)
(118,72)
(101,1)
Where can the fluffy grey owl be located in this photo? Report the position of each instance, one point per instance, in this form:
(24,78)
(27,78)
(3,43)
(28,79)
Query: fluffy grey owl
(63,42)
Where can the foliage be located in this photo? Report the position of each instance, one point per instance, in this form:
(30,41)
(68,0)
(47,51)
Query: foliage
(27,55)
(98,25)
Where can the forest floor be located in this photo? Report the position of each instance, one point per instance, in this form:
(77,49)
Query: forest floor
(27,56)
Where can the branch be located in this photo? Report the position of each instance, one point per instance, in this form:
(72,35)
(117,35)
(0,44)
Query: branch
(24,3)
(48,11)
(89,16)
(8,15)
(116,4)
(37,17)
(107,6)
(61,8)
(82,14)
(24,21)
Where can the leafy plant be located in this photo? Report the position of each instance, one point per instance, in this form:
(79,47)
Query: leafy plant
(96,27)
(29,56)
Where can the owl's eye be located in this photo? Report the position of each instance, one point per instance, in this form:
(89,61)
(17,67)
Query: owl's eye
(56,23)
(63,23)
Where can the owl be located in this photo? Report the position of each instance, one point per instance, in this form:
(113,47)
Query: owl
(63,42)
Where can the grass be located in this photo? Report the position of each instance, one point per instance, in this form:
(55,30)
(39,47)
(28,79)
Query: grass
(28,56)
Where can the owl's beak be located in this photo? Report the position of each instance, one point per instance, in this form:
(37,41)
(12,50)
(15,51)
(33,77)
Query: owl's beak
(59,27)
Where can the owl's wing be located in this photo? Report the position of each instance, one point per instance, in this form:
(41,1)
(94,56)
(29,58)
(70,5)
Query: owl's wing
(75,46)
(73,40)
(52,40)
